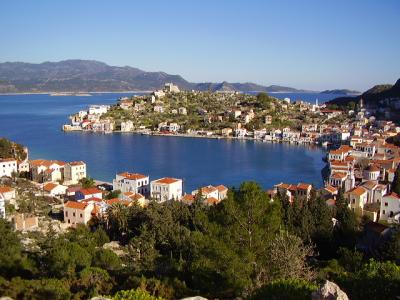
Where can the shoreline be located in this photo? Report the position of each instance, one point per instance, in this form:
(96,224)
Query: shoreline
(188,135)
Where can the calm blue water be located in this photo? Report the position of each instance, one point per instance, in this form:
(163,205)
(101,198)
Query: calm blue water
(36,120)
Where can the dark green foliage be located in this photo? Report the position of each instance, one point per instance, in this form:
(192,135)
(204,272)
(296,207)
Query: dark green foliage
(245,246)
(285,289)
(375,280)
(10,250)
(87,182)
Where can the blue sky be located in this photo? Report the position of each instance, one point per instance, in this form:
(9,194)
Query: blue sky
(304,44)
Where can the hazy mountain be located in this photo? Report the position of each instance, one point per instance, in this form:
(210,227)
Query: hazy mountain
(94,76)
(341,92)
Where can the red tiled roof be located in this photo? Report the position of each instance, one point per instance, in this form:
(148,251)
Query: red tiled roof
(49,186)
(76,205)
(211,200)
(221,188)
(90,191)
(358,191)
(76,163)
(167,180)
(132,176)
(6,189)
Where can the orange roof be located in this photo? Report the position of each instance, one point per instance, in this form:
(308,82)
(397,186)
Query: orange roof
(339,175)
(304,186)
(393,194)
(167,180)
(134,196)
(46,163)
(132,176)
(331,189)
(76,163)
(358,191)
(5,189)
(221,188)
(76,205)
(93,199)
(208,189)
(211,201)
(188,198)
(90,191)
(49,186)
(392,170)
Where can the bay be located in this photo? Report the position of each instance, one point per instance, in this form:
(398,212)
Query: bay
(36,120)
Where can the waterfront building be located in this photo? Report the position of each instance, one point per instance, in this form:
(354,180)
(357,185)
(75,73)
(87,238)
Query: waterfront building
(292,191)
(166,188)
(8,167)
(132,182)
(74,172)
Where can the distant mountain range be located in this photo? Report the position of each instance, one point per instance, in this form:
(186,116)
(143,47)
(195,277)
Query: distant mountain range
(94,76)
(373,96)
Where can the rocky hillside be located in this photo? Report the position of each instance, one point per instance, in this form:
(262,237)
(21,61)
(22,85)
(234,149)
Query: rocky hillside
(372,96)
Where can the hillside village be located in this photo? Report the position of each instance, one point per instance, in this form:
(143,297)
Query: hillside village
(40,197)
(360,164)
(215,114)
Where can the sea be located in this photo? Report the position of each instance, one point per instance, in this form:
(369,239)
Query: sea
(35,121)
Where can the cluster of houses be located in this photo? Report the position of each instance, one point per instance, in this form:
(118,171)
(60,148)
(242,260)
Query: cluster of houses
(91,120)
(135,189)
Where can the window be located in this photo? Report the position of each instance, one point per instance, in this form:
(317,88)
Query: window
(386,204)
(81,215)
(383,212)
(66,213)
(73,214)
(69,221)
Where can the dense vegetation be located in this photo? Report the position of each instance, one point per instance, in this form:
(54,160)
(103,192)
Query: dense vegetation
(10,149)
(247,246)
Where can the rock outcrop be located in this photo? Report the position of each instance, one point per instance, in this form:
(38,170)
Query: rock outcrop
(329,291)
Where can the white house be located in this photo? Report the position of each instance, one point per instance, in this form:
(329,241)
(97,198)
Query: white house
(132,182)
(390,208)
(166,189)
(54,189)
(98,109)
(7,192)
(8,166)
(74,171)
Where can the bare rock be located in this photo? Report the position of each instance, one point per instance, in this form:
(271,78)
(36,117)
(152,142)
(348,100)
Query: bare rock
(329,291)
